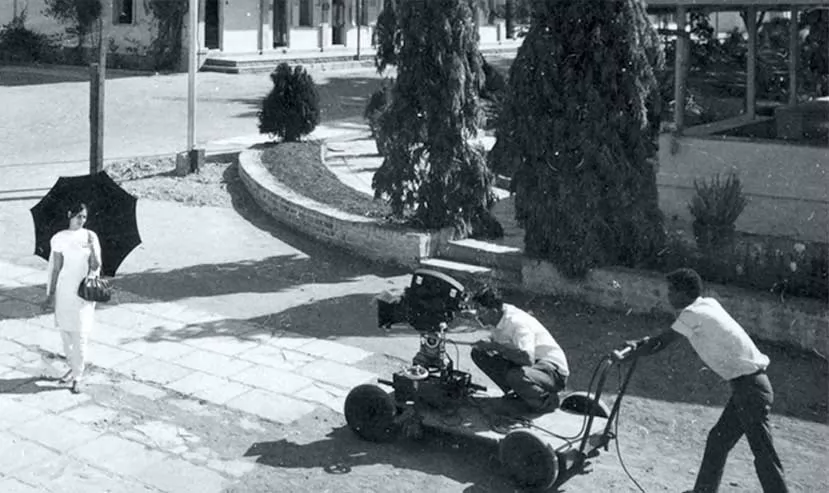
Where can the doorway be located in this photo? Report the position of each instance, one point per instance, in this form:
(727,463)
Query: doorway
(280,23)
(212,25)
(338,22)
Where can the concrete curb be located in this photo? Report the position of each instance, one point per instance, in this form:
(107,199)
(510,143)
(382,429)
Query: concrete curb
(363,236)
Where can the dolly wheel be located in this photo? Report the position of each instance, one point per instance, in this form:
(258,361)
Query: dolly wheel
(370,413)
(530,462)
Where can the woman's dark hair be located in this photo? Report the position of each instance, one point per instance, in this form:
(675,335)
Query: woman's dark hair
(489,297)
(76,208)
(685,281)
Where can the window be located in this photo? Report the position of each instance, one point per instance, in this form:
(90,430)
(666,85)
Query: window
(305,13)
(122,11)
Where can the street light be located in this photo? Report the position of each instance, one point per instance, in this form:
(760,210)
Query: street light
(191,160)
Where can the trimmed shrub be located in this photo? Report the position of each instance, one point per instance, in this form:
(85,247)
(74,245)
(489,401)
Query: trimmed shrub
(292,109)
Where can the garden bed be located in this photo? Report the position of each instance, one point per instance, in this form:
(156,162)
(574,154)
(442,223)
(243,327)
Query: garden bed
(300,167)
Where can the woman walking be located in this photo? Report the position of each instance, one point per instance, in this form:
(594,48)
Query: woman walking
(75,255)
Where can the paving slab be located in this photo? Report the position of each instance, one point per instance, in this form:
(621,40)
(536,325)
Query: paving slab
(111,335)
(276,357)
(10,347)
(13,413)
(56,432)
(45,339)
(68,475)
(227,345)
(179,476)
(163,350)
(12,328)
(337,374)
(161,435)
(334,351)
(271,406)
(323,395)
(196,381)
(118,455)
(107,356)
(213,363)
(221,394)
(234,468)
(56,401)
(137,322)
(142,390)
(281,381)
(13,308)
(152,370)
(91,414)
(11,485)
(17,453)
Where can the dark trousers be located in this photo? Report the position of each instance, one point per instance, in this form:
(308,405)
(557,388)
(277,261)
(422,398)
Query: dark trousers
(533,384)
(747,413)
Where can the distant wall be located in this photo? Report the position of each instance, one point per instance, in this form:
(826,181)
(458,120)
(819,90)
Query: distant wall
(787,185)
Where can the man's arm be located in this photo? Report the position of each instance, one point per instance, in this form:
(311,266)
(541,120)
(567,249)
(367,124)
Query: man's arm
(652,345)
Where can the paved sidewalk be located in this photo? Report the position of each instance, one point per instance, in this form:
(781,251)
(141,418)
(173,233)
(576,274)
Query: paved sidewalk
(156,349)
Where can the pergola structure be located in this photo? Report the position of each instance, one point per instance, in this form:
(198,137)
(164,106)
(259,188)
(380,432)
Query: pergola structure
(681,7)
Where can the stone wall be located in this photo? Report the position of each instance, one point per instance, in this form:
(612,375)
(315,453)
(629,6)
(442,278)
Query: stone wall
(363,236)
(798,322)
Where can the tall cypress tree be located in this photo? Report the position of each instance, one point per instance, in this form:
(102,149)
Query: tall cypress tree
(430,172)
(580,127)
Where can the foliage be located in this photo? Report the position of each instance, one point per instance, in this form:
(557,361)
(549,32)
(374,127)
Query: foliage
(79,15)
(292,109)
(717,202)
(581,122)
(430,171)
(704,45)
(378,102)
(166,47)
(760,264)
(386,38)
(20,44)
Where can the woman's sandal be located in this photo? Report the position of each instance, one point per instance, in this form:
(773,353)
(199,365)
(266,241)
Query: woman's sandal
(76,387)
(66,378)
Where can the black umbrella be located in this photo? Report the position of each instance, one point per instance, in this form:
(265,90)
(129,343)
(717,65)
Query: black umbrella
(111,216)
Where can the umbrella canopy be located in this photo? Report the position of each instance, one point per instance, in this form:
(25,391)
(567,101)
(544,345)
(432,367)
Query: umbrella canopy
(111,216)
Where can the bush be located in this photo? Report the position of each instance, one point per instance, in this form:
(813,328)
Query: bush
(377,103)
(19,44)
(759,264)
(715,208)
(430,174)
(292,109)
(580,127)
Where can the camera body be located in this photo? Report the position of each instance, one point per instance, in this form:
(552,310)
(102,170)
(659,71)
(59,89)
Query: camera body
(428,304)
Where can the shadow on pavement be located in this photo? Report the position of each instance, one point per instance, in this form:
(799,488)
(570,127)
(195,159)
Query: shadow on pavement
(28,385)
(438,455)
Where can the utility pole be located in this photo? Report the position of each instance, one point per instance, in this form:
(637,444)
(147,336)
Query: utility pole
(96,103)
(190,161)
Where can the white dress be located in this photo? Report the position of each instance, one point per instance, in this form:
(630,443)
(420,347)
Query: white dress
(73,313)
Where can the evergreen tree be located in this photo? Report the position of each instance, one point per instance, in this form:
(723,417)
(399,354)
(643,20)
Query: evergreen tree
(430,172)
(580,128)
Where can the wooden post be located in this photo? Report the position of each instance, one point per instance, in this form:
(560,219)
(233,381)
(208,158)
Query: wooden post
(680,62)
(97,83)
(751,63)
(794,54)
(263,8)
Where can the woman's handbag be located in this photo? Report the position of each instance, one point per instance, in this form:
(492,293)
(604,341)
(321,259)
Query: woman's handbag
(93,288)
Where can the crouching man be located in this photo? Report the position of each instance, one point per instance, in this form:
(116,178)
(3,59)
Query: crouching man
(521,358)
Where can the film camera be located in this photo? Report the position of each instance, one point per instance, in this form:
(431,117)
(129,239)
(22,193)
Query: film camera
(428,304)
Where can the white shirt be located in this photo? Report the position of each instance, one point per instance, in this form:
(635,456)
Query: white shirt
(720,341)
(521,330)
